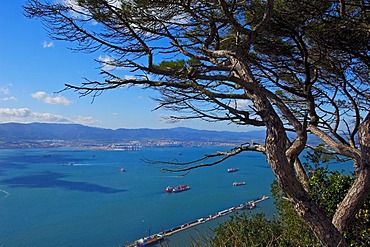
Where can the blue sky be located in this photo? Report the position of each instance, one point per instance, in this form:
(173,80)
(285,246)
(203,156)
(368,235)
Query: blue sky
(33,68)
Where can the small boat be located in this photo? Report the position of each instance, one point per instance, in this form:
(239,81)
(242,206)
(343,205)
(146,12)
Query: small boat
(69,164)
(232,169)
(179,188)
(121,169)
(238,183)
(149,240)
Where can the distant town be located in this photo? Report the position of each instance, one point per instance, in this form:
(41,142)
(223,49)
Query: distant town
(44,135)
(105,145)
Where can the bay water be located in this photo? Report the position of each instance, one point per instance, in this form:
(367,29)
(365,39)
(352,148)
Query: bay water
(67,197)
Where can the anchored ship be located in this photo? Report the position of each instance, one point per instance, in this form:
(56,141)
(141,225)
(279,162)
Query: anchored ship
(147,241)
(232,169)
(238,183)
(179,188)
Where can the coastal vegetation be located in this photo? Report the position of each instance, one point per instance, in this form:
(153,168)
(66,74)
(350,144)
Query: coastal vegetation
(294,68)
(328,187)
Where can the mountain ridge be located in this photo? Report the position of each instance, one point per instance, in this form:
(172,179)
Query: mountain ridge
(74,132)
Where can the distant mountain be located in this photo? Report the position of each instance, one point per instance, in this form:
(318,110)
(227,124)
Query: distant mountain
(73,132)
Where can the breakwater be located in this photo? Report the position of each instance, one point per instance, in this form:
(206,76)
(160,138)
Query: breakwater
(248,205)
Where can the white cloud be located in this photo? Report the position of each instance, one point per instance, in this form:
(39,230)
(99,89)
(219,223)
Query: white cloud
(53,100)
(240,104)
(107,61)
(79,12)
(39,95)
(25,115)
(58,100)
(87,120)
(74,3)
(117,3)
(4,90)
(12,98)
(47,44)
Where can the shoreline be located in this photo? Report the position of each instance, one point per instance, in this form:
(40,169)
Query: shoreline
(166,233)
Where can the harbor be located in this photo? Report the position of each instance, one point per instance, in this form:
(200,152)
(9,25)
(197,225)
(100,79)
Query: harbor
(160,236)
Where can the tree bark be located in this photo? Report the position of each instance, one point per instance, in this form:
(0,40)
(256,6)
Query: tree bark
(302,176)
(361,187)
(276,140)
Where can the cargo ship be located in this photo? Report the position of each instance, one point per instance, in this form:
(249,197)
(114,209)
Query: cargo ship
(232,169)
(147,241)
(179,188)
(238,183)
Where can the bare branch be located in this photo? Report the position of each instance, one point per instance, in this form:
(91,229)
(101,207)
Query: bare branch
(194,164)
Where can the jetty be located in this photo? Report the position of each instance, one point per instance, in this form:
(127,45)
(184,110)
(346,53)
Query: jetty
(248,205)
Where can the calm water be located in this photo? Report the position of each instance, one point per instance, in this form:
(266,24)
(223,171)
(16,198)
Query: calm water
(45,203)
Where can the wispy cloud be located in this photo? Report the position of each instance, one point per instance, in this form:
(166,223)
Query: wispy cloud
(25,115)
(47,44)
(107,62)
(4,90)
(78,11)
(49,99)
(12,98)
(74,4)
(87,121)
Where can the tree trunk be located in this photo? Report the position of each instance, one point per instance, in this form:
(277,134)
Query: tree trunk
(276,140)
(302,176)
(324,230)
(361,187)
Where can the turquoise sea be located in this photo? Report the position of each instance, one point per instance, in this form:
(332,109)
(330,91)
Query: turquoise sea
(45,202)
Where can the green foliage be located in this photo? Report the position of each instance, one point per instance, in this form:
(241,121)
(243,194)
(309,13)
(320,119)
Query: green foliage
(177,65)
(172,65)
(243,230)
(359,232)
(327,188)
(295,231)
(319,156)
(194,62)
(256,230)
